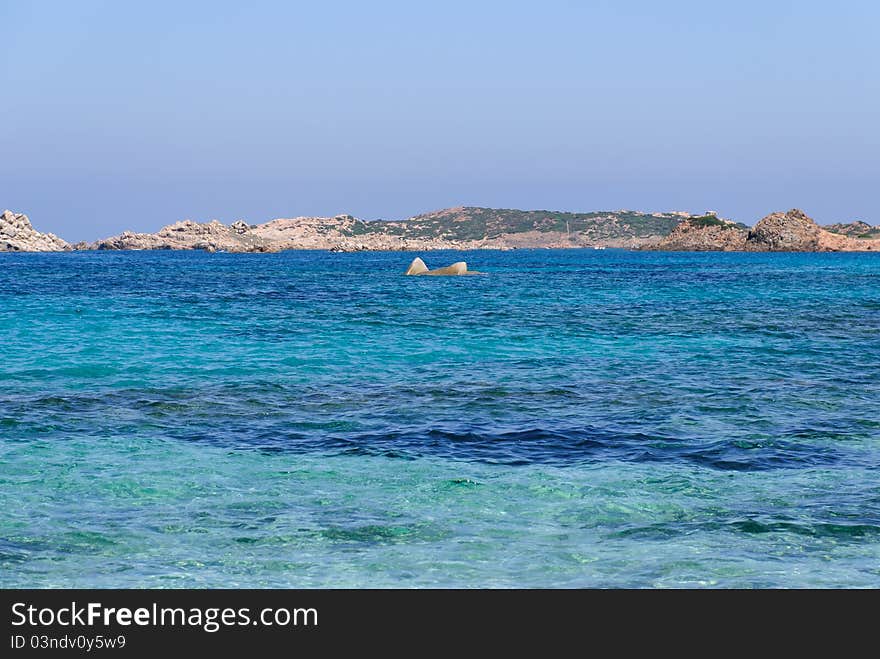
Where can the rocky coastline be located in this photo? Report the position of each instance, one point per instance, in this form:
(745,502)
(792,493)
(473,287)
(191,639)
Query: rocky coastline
(468,228)
(17,235)
(792,231)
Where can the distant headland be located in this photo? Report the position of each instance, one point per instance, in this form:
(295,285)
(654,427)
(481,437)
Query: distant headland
(465,228)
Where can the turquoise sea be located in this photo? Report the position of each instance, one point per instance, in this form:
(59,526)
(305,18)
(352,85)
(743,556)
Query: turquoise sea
(572,418)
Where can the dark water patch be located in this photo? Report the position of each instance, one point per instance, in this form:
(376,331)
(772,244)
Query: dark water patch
(377,534)
(824,434)
(7,557)
(20,550)
(85,541)
(657,532)
(817,530)
(57,403)
(279,418)
(161,408)
(661,531)
(778,454)
(69,542)
(580,445)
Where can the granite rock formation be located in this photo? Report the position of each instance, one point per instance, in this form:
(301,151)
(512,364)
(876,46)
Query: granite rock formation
(17,235)
(342,233)
(211,236)
(705,233)
(418,267)
(793,231)
(457,268)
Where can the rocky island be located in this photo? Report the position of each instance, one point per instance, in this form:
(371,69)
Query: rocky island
(17,235)
(792,231)
(466,228)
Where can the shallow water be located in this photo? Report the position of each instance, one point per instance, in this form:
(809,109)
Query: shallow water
(573,418)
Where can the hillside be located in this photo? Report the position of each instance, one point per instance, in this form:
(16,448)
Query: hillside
(474,223)
(855,230)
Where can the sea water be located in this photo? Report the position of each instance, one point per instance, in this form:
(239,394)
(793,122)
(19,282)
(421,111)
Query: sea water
(571,418)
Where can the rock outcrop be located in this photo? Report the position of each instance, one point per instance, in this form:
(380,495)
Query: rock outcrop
(457,268)
(212,236)
(793,231)
(342,233)
(418,267)
(17,235)
(704,234)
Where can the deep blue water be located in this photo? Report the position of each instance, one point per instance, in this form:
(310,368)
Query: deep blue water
(572,418)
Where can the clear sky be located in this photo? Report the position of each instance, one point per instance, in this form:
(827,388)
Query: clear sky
(124,115)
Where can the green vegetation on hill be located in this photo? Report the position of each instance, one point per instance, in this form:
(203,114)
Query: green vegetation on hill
(360,228)
(715,221)
(855,229)
(473,223)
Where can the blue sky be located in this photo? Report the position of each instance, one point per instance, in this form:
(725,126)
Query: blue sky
(133,115)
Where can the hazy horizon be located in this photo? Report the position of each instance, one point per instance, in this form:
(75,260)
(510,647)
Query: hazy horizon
(132,117)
